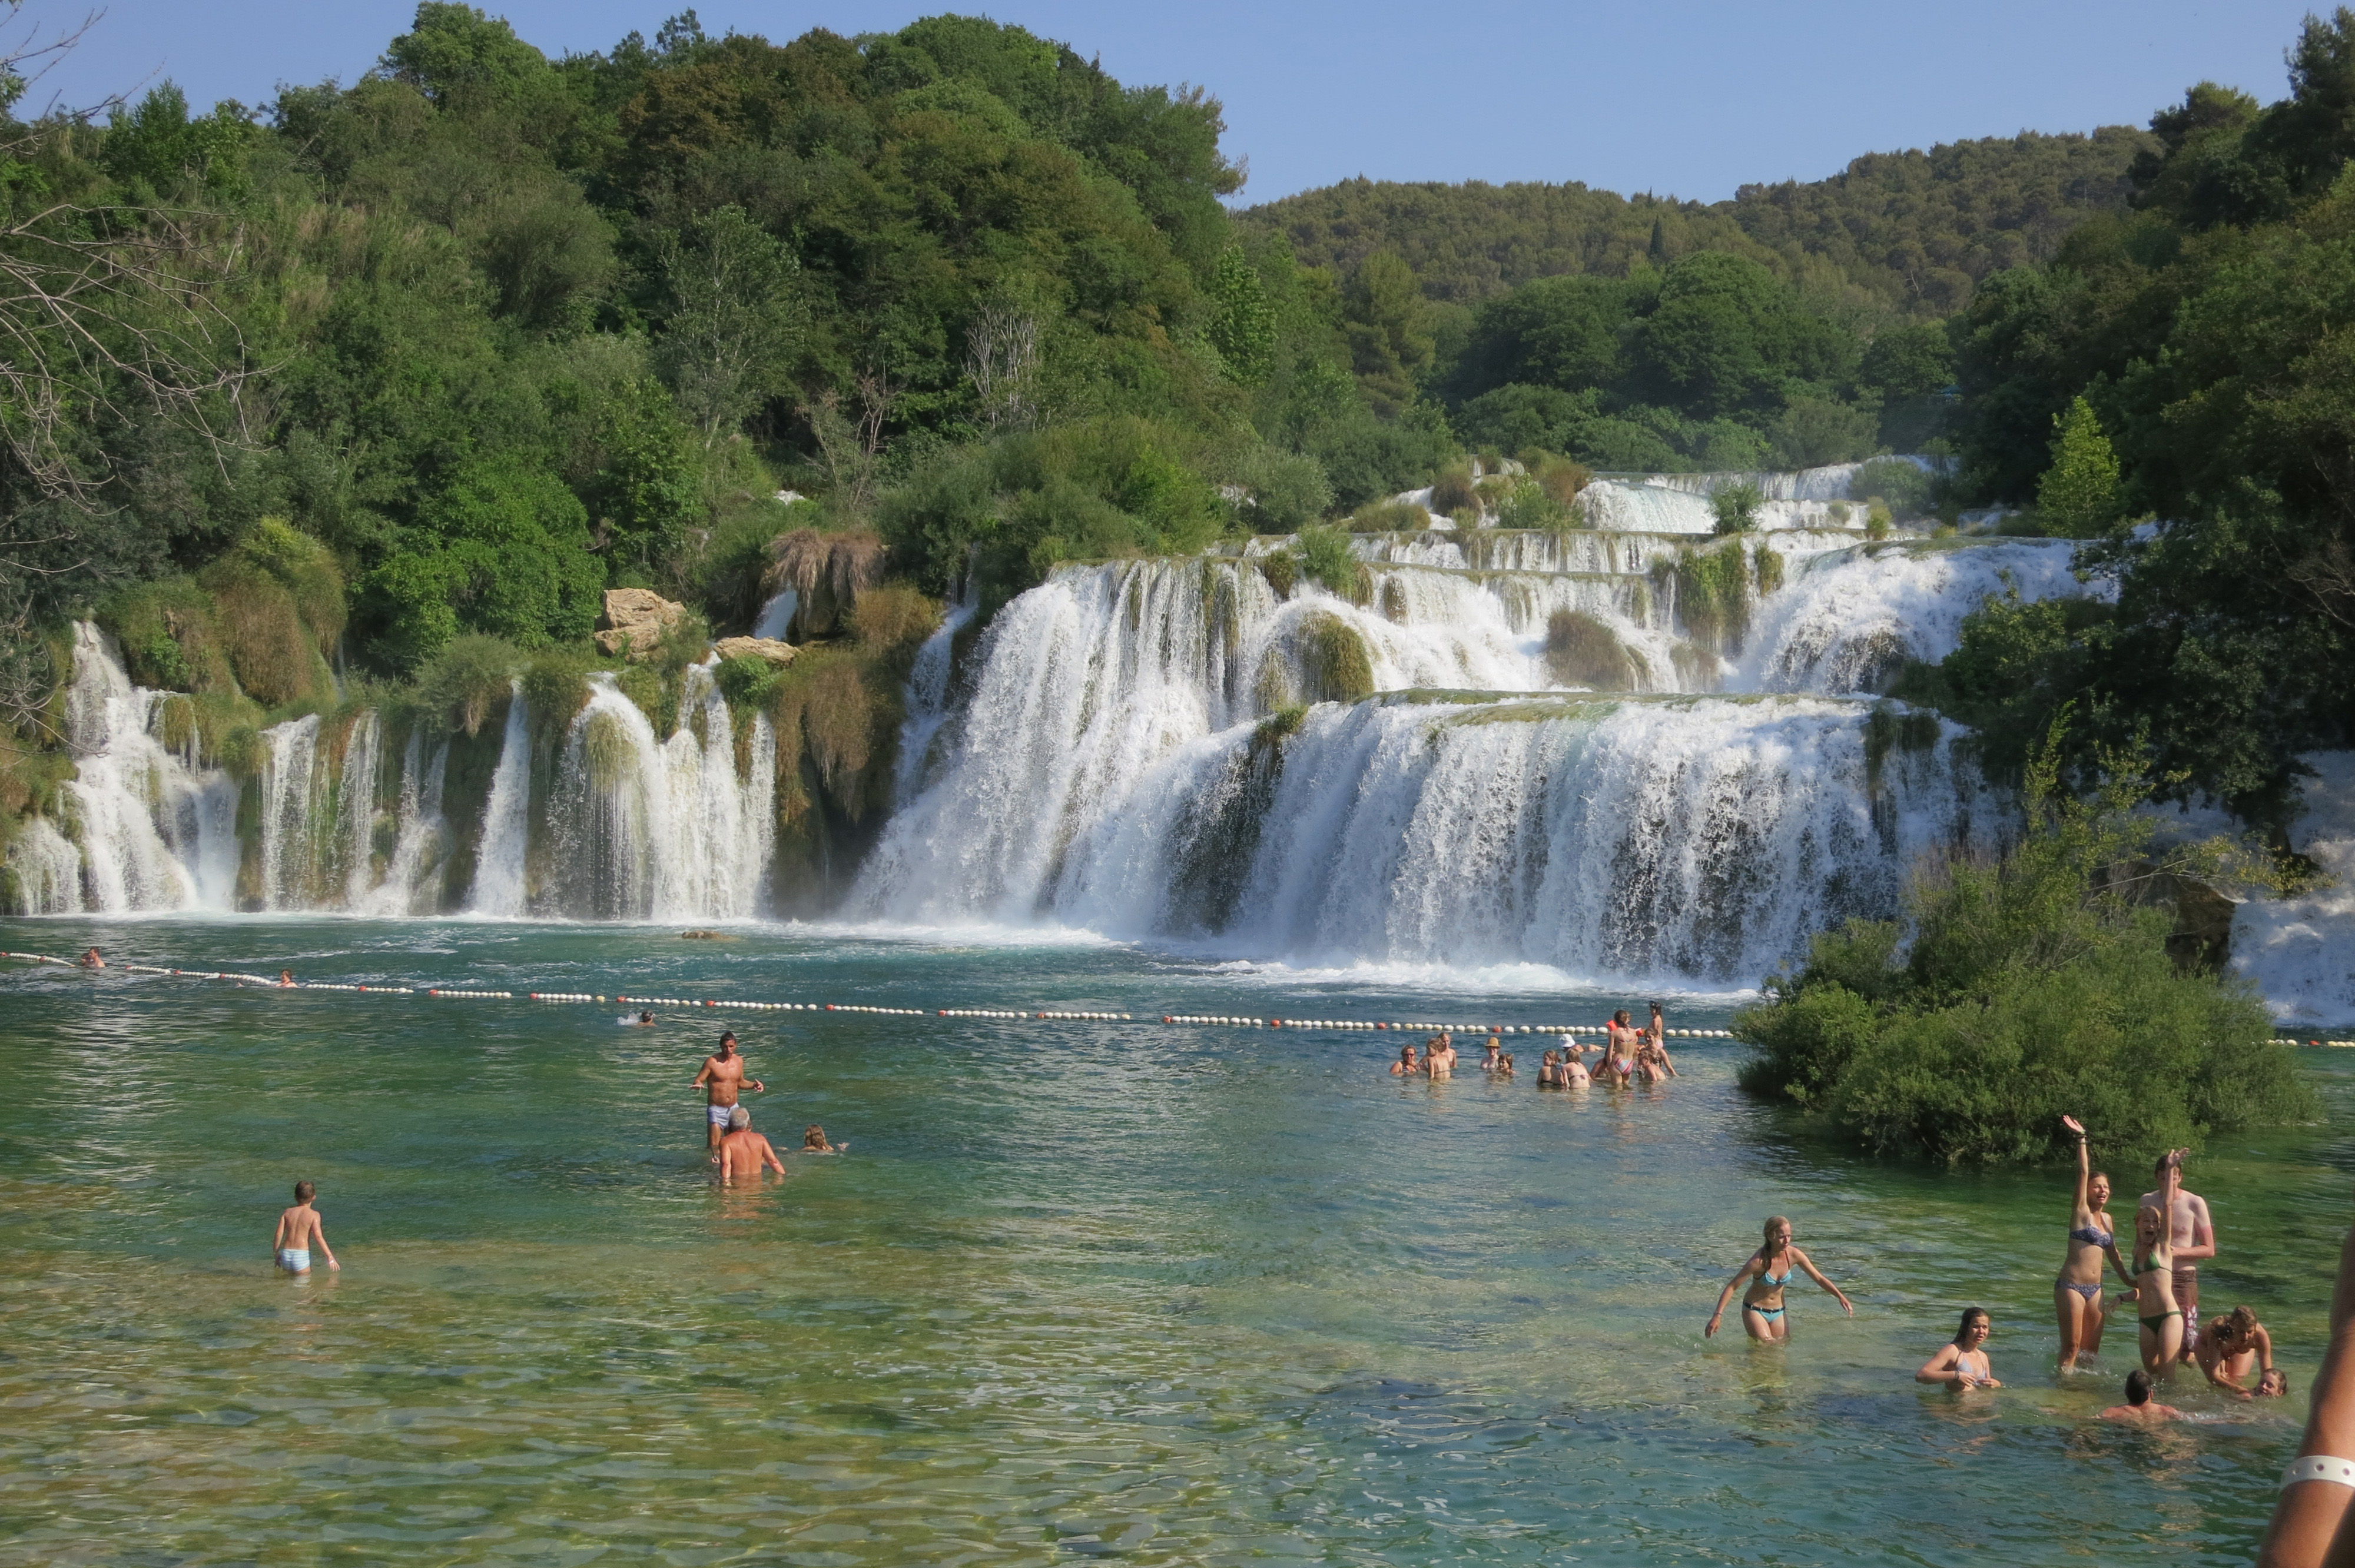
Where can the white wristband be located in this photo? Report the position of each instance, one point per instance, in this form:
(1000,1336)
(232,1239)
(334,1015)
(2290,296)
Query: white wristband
(2320,1468)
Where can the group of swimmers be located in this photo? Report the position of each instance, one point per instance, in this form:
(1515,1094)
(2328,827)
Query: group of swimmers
(2172,1232)
(735,1147)
(1627,1053)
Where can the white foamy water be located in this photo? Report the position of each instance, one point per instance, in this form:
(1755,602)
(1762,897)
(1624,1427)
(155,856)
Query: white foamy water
(2301,951)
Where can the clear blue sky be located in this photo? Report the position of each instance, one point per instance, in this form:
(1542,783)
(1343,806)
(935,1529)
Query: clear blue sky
(1669,96)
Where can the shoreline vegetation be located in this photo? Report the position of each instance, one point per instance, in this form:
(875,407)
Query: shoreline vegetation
(391,383)
(2021,987)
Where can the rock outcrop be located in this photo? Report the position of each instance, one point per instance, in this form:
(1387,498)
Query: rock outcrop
(769,648)
(636,621)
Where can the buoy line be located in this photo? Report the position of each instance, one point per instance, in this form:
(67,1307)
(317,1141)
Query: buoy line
(1051,1015)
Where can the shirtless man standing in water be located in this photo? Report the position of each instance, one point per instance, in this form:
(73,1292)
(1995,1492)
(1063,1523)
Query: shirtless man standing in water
(722,1080)
(743,1152)
(2194,1237)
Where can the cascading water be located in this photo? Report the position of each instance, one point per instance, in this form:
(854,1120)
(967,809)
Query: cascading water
(499,868)
(1124,758)
(143,826)
(662,830)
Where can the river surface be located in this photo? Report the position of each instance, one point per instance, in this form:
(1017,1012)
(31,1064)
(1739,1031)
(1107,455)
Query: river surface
(1080,1290)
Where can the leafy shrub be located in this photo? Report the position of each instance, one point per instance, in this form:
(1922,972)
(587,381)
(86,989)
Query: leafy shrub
(1282,570)
(1904,488)
(1389,517)
(892,619)
(1326,557)
(1285,490)
(269,647)
(1562,479)
(1334,661)
(1812,431)
(1452,490)
(1712,596)
(468,678)
(1876,519)
(167,635)
(1528,504)
(1736,506)
(2035,987)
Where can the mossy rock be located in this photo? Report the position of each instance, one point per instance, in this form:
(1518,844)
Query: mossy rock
(1334,666)
(1581,650)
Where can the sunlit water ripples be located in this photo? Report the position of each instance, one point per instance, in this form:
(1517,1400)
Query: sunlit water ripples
(1167,1296)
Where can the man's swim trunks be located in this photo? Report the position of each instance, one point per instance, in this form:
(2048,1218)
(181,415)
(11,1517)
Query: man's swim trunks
(719,1116)
(294,1259)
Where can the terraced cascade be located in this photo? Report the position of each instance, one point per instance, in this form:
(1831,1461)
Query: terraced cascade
(1613,753)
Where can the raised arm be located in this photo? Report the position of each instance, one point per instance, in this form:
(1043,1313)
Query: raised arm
(1742,1275)
(1817,1275)
(2308,1516)
(2084,1168)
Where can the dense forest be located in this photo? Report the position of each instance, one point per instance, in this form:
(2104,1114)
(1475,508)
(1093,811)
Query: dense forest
(380,387)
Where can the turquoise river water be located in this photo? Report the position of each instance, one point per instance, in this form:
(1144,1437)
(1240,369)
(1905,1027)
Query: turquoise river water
(1165,1295)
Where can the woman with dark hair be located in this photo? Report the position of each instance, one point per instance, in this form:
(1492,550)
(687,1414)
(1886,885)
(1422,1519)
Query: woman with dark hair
(1762,1303)
(2139,1405)
(2093,1239)
(1962,1361)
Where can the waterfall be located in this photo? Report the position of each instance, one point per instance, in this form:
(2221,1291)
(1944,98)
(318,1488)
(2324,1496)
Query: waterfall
(421,837)
(143,826)
(499,861)
(776,616)
(928,700)
(662,830)
(1121,756)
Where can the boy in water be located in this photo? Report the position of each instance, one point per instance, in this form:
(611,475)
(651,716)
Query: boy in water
(2139,1405)
(298,1227)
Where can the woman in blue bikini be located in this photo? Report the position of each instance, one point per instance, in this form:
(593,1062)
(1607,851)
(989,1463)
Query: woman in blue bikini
(1767,1270)
(2077,1293)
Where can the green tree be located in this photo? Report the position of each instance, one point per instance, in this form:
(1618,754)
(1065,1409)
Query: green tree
(726,345)
(1243,330)
(2078,496)
(1389,329)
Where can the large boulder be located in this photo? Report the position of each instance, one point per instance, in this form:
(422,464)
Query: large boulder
(636,621)
(769,648)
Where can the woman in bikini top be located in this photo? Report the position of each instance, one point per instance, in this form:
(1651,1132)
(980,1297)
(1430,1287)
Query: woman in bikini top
(1766,1271)
(2154,1292)
(1962,1361)
(2077,1292)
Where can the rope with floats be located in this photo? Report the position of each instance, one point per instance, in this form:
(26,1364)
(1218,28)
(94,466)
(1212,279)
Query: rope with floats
(1048,1015)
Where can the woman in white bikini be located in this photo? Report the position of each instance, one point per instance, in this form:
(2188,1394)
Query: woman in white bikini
(1962,1361)
(1762,1305)
(2077,1293)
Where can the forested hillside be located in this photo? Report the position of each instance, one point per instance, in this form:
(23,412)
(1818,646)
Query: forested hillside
(1907,235)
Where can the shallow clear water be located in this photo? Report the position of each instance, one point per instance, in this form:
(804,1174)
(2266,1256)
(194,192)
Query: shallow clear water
(1080,1290)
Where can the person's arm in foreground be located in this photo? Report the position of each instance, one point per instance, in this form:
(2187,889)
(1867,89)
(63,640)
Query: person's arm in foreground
(2306,1532)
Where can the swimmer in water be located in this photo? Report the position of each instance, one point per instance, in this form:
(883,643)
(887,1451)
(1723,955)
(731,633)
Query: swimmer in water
(814,1142)
(1962,1361)
(1504,1066)
(1548,1067)
(743,1152)
(1406,1065)
(90,960)
(2139,1405)
(2233,1345)
(2093,1240)
(285,980)
(1573,1073)
(1440,1062)
(298,1228)
(1488,1063)
(645,1021)
(2154,1292)
(1762,1305)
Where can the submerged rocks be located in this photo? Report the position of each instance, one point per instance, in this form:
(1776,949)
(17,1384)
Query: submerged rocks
(775,652)
(636,621)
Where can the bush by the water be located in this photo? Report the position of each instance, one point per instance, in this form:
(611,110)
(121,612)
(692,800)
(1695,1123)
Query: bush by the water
(2035,985)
